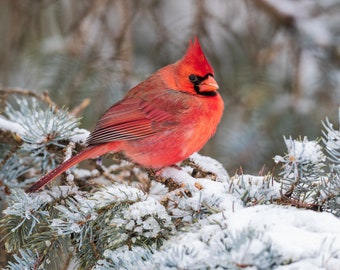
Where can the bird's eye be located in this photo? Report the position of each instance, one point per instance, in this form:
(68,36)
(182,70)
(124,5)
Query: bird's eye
(193,78)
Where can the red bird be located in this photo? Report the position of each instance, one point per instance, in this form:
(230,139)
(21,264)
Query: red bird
(161,121)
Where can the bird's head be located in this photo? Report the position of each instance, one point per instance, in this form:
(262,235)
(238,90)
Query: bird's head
(195,75)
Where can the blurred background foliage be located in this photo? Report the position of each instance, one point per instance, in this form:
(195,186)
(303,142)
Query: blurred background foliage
(277,61)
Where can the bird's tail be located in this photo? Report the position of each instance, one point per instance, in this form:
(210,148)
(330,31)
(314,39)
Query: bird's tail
(89,152)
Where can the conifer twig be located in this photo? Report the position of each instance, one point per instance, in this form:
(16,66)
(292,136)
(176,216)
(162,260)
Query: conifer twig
(6,91)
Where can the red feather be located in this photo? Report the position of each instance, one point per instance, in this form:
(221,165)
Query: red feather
(89,152)
(135,118)
(195,59)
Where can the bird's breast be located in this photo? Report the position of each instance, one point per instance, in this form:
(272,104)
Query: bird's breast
(195,126)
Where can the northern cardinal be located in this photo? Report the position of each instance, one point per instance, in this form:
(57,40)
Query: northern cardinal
(161,121)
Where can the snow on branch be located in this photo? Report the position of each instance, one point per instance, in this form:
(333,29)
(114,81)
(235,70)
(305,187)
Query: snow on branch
(192,216)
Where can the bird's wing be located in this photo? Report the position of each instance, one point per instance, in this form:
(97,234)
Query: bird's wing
(136,117)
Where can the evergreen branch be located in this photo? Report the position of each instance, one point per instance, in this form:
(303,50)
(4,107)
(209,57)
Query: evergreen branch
(43,133)
(110,219)
(304,180)
(26,260)
(7,91)
(52,249)
(21,220)
(253,190)
(243,254)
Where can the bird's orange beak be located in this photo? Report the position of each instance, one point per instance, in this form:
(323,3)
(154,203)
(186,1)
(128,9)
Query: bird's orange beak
(208,85)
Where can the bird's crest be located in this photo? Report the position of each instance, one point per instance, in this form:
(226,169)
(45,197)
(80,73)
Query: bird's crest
(195,58)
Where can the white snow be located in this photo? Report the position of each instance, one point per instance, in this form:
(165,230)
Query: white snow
(79,135)
(68,150)
(296,233)
(211,165)
(223,229)
(141,217)
(302,150)
(11,126)
(113,194)
(303,238)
